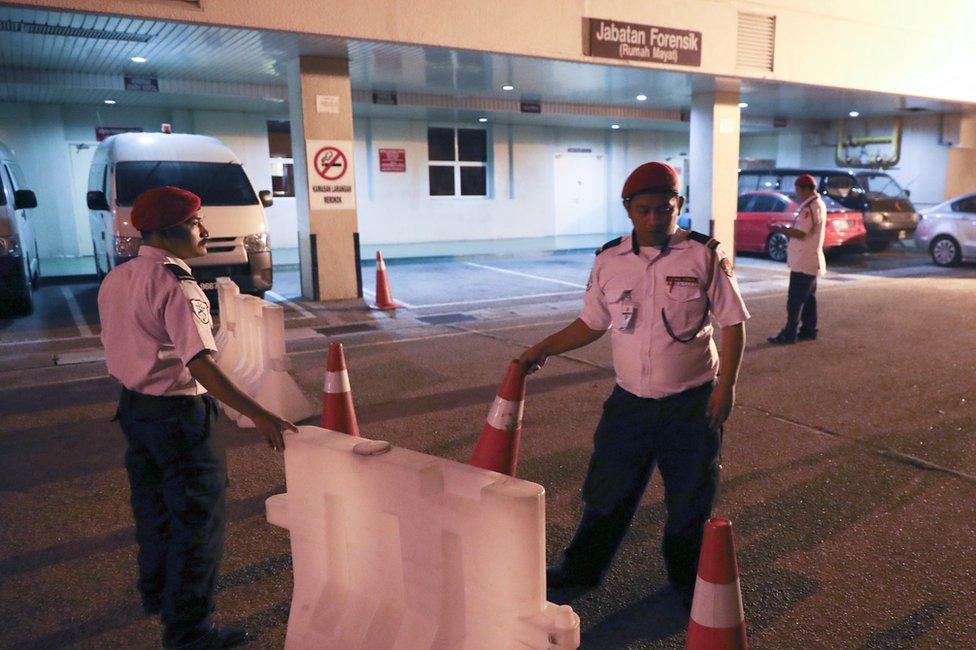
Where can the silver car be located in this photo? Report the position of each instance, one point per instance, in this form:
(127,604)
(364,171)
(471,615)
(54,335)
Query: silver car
(948,231)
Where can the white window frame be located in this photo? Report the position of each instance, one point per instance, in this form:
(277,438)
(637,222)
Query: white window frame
(458,164)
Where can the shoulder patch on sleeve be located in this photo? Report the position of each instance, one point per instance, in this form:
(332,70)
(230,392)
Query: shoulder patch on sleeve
(180,273)
(609,244)
(703,239)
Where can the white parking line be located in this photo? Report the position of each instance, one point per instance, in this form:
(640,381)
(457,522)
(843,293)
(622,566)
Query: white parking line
(277,297)
(526,275)
(76,312)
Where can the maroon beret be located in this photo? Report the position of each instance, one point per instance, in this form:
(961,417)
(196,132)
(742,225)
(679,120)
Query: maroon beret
(162,207)
(651,178)
(806,180)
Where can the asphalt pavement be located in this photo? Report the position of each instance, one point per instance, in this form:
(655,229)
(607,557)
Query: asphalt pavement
(849,463)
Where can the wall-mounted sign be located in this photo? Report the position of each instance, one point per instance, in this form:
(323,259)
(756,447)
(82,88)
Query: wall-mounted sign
(615,40)
(385,98)
(326,103)
(102,132)
(331,183)
(393,160)
(780,122)
(142,84)
(579,150)
(530,106)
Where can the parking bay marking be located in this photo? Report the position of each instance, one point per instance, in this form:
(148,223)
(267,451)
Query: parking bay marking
(76,312)
(526,275)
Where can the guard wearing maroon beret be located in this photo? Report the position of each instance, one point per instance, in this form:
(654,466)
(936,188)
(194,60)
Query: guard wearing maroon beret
(156,330)
(805,258)
(659,291)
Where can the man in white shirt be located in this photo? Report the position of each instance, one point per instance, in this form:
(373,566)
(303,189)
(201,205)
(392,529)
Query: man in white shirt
(805,258)
(657,291)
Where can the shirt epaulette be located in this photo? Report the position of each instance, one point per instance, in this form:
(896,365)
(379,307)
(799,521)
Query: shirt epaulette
(703,239)
(181,274)
(609,244)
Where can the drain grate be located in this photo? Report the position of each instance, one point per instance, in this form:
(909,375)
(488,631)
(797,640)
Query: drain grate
(446,319)
(346,329)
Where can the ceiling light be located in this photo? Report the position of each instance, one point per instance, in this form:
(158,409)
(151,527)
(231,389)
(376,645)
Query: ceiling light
(614,126)
(508,87)
(482,119)
(743,105)
(138,59)
(641,98)
(109,101)
(853,113)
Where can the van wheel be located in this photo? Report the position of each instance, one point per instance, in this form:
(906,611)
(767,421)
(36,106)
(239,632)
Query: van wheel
(776,246)
(945,251)
(99,273)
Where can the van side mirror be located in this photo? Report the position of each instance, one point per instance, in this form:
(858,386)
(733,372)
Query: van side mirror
(24,199)
(97,200)
(267,199)
(908,192)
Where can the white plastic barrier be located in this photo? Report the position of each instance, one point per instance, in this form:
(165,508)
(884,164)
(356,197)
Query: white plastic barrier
(252,353)
(402,550)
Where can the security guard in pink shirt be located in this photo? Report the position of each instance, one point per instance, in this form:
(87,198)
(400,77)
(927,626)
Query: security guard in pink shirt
(156,330)
(658,292)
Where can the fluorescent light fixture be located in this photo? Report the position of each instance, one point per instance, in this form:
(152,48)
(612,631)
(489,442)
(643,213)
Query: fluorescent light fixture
(482,119)
(138,59)
(508,87)
(614,126)
(853,113)
(743,104)
(109,101)
(641,98)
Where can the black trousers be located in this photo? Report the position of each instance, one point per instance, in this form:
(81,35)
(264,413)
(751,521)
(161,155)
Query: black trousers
(801,304)
(634,435)
(178,484)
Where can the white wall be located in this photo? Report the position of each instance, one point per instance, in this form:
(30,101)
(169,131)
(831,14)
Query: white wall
(395,207)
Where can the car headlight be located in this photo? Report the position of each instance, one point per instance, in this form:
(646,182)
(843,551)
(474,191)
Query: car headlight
(873,217)
(9,245)
(257,243)
(127,246)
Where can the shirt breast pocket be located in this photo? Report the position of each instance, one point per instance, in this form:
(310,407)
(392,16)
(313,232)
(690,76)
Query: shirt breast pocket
(684,311)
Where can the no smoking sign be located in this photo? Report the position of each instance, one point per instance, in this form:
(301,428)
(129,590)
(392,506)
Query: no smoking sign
(331,181)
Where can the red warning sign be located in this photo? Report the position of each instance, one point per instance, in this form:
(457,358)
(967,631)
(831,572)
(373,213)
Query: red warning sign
(330,163)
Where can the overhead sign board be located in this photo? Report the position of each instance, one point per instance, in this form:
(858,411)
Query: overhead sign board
(102,132)
(331,183)
(616,40)
(528,106)
(142,84)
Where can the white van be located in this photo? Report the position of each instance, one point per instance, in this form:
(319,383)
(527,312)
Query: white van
(19,266)
(127,164)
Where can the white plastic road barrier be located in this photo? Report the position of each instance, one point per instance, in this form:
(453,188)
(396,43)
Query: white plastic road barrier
(399,550)
(272,387)
(251,350)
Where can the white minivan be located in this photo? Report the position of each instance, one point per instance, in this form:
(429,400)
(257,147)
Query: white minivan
(19,266)
(127,164)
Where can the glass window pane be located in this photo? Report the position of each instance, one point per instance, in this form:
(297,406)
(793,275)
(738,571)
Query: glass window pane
(440,143)
(473,145)
(474,181)
(747,182)
(441,180)
(768,182)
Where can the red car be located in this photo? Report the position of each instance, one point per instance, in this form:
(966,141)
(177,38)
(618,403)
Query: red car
(757,211)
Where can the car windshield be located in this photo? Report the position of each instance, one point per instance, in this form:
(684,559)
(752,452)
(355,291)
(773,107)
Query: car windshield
(881,184)
(214,183)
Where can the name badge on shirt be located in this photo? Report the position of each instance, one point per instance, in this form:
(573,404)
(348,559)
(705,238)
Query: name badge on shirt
(679,280)
(627,316)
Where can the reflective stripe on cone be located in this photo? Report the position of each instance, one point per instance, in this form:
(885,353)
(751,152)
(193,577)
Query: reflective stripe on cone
(498,444)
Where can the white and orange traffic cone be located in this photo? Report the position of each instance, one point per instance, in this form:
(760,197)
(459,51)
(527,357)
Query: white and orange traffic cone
(717,620)
(498,444)
(338,413)
(384,299)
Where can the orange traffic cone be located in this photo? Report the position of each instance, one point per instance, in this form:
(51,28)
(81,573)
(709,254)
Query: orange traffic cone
(498,444)
(338,413)
(384,300)
(717,620)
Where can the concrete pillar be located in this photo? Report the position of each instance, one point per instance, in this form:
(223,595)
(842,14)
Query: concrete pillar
(320,107)
(961,161)
(714,159)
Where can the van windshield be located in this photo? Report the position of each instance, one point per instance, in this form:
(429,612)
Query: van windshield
(881,184)
(214,183)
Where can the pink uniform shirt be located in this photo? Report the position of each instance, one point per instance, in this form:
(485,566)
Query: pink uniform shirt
(639,297)
(153,324)
(807,255)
